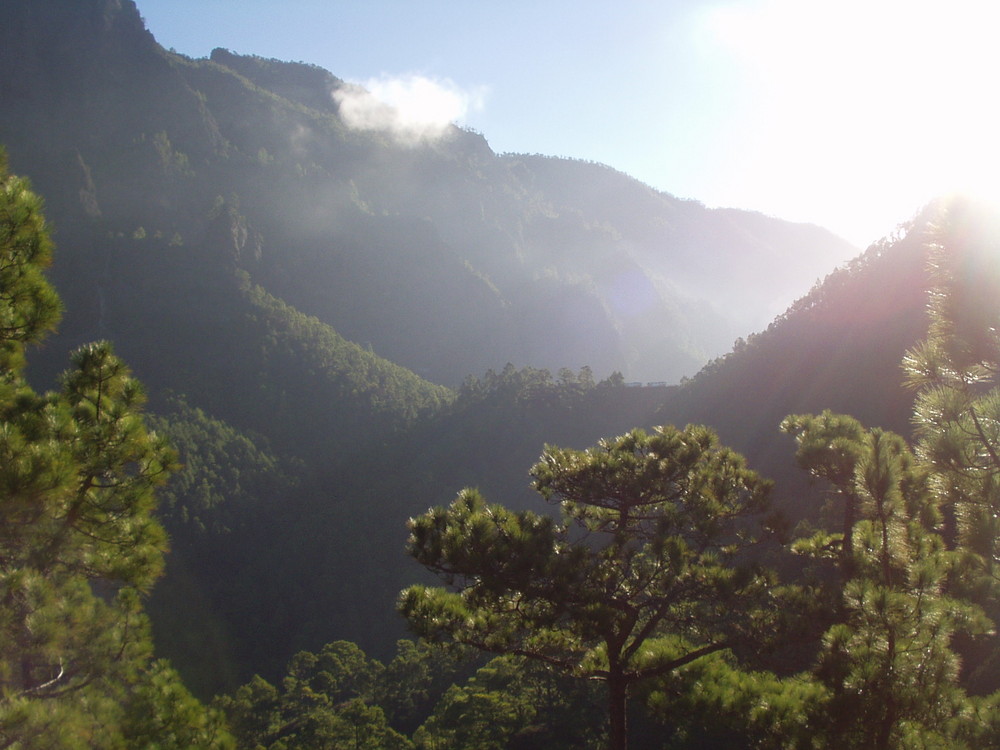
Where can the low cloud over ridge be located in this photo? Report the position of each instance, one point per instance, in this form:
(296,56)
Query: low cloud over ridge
(412,108)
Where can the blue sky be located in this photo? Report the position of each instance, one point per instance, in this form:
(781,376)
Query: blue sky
(847,114)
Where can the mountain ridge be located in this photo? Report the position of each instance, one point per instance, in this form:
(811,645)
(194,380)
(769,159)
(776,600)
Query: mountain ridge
(158,139)
(395,320)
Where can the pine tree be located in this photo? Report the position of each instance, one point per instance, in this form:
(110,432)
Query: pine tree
(954,371)
(888,663)
(957,409)
(79,545)
(639,577)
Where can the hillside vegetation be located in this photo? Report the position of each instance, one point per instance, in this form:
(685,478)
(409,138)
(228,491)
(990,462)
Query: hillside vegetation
(363,359)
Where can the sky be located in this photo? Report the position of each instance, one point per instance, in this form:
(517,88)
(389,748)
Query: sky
(850,114)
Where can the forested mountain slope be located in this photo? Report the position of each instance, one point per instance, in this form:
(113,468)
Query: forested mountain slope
(273,554)
(340,542)
(296,295)
(840,347)
(439,254)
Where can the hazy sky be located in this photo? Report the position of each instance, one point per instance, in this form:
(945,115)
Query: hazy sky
(850,113)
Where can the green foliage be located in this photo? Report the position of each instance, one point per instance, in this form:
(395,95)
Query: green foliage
(712,703)
(917,547)
(888,662)
(327,700)
(363,380)
(829,447)
(414,680)
(954,370)
(228,484)
(640,577)
(338,697)
(78,541)
(957,407)
(162,715)
(223,474)
(515,702)
(29,306)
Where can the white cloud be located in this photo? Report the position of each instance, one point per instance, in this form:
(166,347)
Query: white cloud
(412,108)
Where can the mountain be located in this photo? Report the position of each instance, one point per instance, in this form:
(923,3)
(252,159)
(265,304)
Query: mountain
(839,347)
(306,303)
(439,254)
(326,561)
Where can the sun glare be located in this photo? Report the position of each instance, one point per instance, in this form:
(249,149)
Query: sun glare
(873,102)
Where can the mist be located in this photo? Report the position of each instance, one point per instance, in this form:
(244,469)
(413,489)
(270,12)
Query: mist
(411,108)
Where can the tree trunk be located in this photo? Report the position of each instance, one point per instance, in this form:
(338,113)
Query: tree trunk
(847,550)
(617,709)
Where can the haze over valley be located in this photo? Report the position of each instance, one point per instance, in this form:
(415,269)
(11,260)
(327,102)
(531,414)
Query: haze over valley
(343,314)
